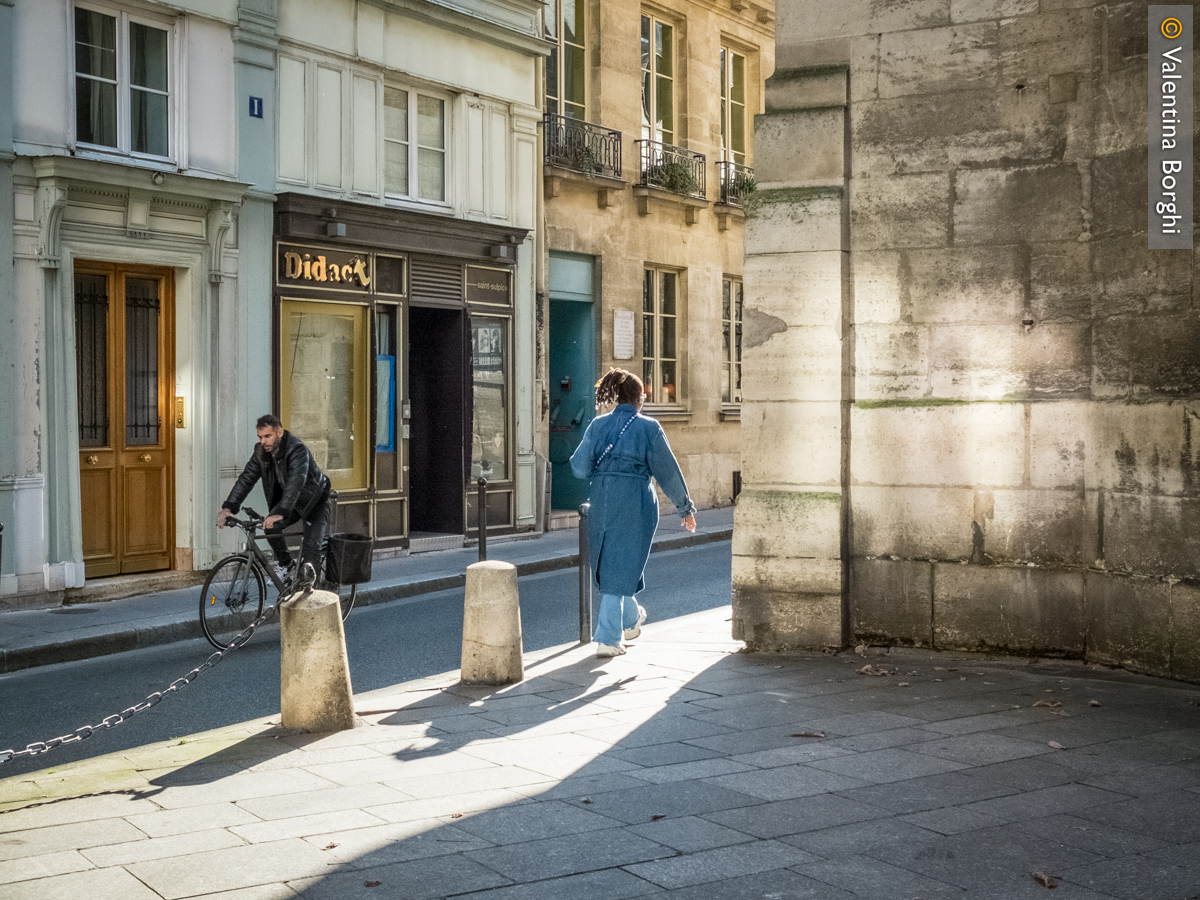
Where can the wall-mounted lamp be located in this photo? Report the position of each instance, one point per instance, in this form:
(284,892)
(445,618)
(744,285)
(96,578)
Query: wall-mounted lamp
(157,178)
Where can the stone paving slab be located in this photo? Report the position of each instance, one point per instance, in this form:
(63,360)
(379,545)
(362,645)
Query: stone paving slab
(685,769)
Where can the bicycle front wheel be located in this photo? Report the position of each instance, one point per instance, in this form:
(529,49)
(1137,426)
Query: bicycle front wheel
(232,598)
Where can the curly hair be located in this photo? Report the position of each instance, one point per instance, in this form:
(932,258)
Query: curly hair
(619,386)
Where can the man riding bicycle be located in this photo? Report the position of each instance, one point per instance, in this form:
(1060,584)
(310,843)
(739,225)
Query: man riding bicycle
(295,487)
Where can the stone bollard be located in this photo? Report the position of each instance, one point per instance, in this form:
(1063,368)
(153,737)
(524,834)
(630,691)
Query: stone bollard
(314,669)
(491,646)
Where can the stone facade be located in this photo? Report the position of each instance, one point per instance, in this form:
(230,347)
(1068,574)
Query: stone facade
(198,210)
(978,388)
(617,227)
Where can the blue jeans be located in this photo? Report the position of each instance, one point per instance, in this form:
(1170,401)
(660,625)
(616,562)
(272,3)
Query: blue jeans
(616,614)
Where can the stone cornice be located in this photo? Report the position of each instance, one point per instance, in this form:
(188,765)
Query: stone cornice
(85,172)
(514,24)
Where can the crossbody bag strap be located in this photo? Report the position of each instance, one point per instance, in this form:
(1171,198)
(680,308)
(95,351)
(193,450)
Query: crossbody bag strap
(612,444)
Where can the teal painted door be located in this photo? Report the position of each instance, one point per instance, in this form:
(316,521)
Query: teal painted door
(572,400)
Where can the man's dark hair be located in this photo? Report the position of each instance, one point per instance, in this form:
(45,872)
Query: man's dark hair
(268,421)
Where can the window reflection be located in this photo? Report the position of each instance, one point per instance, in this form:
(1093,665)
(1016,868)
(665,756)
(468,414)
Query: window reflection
(489,430)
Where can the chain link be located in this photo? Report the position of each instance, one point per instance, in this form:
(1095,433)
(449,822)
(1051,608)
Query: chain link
(83,733)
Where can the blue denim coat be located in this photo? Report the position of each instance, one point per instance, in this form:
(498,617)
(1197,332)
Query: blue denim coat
(624,505)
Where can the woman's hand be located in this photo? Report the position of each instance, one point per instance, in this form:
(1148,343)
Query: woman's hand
(689,522)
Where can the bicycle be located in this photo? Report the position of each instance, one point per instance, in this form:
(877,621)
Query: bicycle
(235,589)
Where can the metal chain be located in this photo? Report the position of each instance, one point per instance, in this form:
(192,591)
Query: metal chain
(82,734)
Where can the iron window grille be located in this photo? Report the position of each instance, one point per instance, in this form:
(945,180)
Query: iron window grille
(671,168)
(581,146)
(737,183)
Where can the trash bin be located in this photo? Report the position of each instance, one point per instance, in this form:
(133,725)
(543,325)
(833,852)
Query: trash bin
(348,560)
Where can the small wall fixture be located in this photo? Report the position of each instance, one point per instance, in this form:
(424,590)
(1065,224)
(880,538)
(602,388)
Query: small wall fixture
(335,229)
(499,251)
(157,178)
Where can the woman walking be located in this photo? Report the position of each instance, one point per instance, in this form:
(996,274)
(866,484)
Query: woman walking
(620,452)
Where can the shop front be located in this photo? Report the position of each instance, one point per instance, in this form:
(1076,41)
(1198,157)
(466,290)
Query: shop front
(393,352)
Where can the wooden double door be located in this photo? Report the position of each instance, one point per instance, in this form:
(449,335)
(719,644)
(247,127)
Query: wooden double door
(125,367)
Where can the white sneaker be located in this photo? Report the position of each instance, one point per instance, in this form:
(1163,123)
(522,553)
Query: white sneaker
(606,650)
(636,630)
(284,573)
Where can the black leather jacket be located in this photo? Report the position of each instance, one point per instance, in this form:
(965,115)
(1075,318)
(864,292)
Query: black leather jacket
(291,479)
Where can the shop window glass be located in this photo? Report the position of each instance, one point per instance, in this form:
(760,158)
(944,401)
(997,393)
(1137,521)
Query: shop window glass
(323,385)
(489,363)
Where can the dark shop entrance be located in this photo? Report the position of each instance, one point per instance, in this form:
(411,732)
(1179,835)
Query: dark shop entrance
(438,445)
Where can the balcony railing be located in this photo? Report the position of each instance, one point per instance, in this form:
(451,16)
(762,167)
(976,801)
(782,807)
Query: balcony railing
(737,183)
(581,146)
(671,168)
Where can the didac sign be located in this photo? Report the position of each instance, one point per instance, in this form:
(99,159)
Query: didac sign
(325,268)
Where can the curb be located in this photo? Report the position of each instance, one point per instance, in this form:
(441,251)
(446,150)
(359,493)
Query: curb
(90,646)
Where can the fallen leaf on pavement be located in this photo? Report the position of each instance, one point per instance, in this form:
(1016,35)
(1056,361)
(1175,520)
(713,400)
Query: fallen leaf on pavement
(330,846)
(456,815)
(861,649)
(586,800)
(1050,703)
(869,669)
(657,816)
(372,883)
(812,734)
(1046,881)
(902,684)
(1059,712)
(1093,703)
(1057,746)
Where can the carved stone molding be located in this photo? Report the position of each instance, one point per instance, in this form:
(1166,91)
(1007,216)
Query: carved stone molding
(220,220)
(51,204)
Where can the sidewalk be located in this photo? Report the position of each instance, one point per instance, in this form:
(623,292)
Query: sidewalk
(41,637)
(684,770)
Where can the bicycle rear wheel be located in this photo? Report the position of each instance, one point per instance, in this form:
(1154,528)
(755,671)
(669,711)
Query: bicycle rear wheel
(232,598)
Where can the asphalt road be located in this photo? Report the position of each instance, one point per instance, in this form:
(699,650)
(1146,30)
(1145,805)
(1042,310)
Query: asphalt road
(388,644)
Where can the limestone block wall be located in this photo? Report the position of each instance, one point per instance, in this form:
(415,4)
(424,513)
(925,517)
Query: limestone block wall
(970,346)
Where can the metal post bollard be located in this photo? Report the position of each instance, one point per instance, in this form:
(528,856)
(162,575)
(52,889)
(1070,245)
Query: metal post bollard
(481,503)
(585,578)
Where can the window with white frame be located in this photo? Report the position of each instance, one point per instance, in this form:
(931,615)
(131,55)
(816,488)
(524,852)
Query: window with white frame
(414,144)
(123,83)
(566,67)
(733,107)
(658,81)
(731,326)
(660,335)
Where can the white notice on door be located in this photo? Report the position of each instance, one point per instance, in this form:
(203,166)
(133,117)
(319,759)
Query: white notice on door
(622,334)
